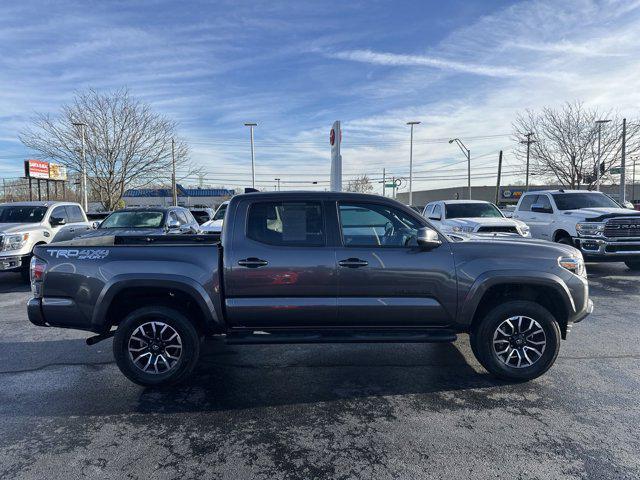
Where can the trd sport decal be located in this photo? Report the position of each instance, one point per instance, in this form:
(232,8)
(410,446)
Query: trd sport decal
(84,254)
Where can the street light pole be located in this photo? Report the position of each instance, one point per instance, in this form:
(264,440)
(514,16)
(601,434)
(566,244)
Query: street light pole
(85,202)
(467,153)
(411,162)
(253,168)
(599,123)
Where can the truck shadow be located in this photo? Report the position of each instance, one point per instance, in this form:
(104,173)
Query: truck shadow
(12,282)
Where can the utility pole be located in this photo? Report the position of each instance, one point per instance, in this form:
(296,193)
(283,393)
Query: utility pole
(499,173)
(467,153)
(278,180)
(411,162)
(384,183)
(174,187)
(599,123)
(623,161)
(85,202)
(528,141)
(253,168)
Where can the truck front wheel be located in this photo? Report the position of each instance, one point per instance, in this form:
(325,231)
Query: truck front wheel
(156,346)
(517,340)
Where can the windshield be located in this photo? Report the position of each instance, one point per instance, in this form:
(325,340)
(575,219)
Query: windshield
(142,219)
(220,212)
(470,210)
(574,201)
(22,214)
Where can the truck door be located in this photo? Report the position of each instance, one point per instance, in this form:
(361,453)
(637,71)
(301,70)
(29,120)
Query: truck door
(76,224)
(59,222)
(384,278)
(279,269)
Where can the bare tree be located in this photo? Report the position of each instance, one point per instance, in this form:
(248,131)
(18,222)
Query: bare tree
(127,144)
(360,184)
(566,143)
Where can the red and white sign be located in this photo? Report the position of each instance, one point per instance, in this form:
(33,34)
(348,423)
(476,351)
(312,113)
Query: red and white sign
(37,169)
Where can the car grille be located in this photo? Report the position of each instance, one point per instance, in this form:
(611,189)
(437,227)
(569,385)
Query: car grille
(505,229)
(622,227)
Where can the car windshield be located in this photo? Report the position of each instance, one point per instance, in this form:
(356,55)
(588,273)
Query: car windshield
(574,201)
(470,210)
(141,219)
(220,212)
(22,214)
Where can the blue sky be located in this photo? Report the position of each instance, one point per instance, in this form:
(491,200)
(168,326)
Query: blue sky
(464,68)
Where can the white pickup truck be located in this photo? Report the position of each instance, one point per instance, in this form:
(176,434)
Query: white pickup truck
(472,217)
(590,221)
(24,225)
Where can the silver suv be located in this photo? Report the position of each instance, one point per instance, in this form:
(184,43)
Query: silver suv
(23,225)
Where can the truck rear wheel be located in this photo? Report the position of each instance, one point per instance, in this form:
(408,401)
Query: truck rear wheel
(156,346)
(517,340)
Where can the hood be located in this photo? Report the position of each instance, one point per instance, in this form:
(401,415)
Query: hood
(521,241)
(599,214)
(107,232)
(212,226)
(9,228)
(483,222)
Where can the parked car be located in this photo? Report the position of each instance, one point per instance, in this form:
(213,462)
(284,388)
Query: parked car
(312,267)
(202,214)
(472,216)
(147,221)
(23,225)
(591,221)
(214,226)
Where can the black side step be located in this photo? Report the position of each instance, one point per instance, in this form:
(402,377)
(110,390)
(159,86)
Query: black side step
(279,337)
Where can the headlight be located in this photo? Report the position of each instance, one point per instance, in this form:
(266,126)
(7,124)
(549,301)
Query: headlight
(524,230)
(462,229)
(590,229)
(14,242)
(573,264)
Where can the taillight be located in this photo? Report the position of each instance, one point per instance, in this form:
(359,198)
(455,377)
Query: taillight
(37,269)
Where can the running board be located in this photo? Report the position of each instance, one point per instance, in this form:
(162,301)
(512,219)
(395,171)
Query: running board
(262,337)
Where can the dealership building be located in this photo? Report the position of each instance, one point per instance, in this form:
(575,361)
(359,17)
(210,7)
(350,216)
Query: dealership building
(187,197)
(507,195)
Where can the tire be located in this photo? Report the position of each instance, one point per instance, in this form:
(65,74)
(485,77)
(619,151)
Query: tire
(532,365)
(565,240)
(135,338)
(632,265)
(25,273)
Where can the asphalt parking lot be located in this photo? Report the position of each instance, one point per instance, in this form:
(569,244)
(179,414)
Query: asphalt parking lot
(325,411)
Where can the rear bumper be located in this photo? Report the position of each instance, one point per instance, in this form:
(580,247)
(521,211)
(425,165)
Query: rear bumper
(604,250)
(57,312)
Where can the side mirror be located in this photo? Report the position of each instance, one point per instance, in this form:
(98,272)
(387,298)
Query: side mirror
(173,224)
(539,208)
(96,224)
(57,222)
(428,238)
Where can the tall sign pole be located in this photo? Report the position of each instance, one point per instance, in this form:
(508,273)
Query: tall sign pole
(411,163)
(251,125)
(335,139)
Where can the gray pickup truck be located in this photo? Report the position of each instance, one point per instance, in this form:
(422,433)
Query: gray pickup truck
(310,267)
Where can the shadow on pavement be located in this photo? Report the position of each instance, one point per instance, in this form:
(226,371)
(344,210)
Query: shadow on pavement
(12,282)
(229,377)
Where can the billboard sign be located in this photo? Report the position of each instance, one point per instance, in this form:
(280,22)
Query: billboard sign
(57,172)
(511,194)
(36,169)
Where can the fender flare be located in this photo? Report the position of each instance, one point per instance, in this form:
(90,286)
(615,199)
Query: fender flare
(496,277)
(119,283)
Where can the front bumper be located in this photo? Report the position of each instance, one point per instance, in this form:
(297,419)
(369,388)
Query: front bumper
(11,263)
(602,249)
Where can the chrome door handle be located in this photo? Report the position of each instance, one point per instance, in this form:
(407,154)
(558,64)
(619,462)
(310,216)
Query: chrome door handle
(252,262)
(353,263)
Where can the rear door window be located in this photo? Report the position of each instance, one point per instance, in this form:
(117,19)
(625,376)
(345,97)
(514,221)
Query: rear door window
(286,223)
(74,213)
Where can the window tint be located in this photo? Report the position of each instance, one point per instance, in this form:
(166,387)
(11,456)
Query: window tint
(427,210)
(543,201)
(133,219)
(60,213)
(74,213)
(21,214)
(376,225)
(526,202)
(182,217)
(219,215)
(472,210)
(286,223)
(437,211)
